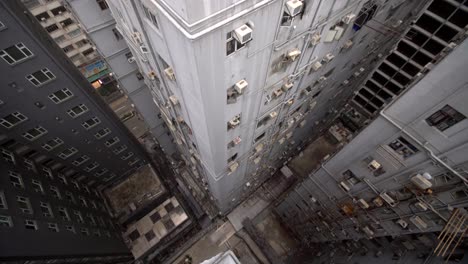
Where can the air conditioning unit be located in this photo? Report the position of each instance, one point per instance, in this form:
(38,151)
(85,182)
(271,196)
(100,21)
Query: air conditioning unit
(169,73)
(339,32)
(43,19)
(131,60)
(302,124)
(240,86)
(421,206)
(421,182)
(402,223)
(233,167)
(329,36)
(345,186)
(418,222)
(290,101)
(136,37)
(316,66)
(281,141)
(363,204)
(345,82)
(388,199)
(289,135)
(368,231)
(293,54)
(328,57)
(294,7)
(243,34)
(322,79)
(174,99)
(237,140)
(348,44)
(378,202)
(348,18)
(315,39)
(234,122)
(273,114)
(259,147)
(287,86)
(257,160)
(151,75)
(278,92)
(357,73)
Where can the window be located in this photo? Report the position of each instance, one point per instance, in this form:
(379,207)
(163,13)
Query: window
(79,216)
(101,172)
(16,54)
(24,204)
(46,210)
(62,178)
(75,185)
(70,197)
(65,154)
(93,204)
(102,133)
(52,28)
(63,212)
(61,96)
(139,76)
(259,137)
(53,143)
(91,166)
(117,34)
(97,233)
(74,33)
(3,203)
(37,185)
(127,156)
(91,219)
(84,231)
(82,43)
(445,118)
(16,179)
(232,158)
(8,156)
(12,119)
(80,160)
(90,123)
(70,228)
(2,26)
(68,48)
(30,224)
(29,164)
(112,141)
(119,149)
(102,4)
(5,221)
(133,162)
(40,77)
(88,51)
(232,45)
(48,173)
(366,14)
(150,15)
(53,227)
(58,10)
(60,39)
(83,201)
(55,192)
(34,133)
(403,147)
(65,23)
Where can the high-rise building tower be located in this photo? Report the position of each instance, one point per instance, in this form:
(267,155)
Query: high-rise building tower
(243,85)
(406,173)
(60,146)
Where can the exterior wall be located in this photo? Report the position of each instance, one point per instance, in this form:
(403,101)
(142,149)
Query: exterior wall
(99,25)
(314,209)
(193,45)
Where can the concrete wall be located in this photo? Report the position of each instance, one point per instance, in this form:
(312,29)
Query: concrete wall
(193,44)
(316,202)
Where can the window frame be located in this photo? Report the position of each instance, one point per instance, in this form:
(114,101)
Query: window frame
(27,135)
(22,118)
(58,142)
(20,48)
(54,98)
(87,126)
(66,153)
(46,72)
(445,118)
(99,135)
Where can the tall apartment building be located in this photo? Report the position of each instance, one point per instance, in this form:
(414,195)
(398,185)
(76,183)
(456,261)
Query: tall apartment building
(404,174)
(242,85)
(60,145)
(63,27)
(96,20)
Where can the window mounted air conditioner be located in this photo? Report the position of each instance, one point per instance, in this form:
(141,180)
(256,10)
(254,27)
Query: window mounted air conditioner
(421,182)
(368,231)
(294,7)
(287,86)
(131,60)
(345,82)
(339,32)
(316,66)
(348,18)
(402,223)
(259,148)
(421,206)
(170,73)
(277,93)
(315,39)
(237,140)
(243,34)
(294,54)
(388,199)
(322,79)
(281,141)
(240,86)
(345,186)
(273,114)
(328,57)
(290,101)
(363,204)
(348,44)
(330,35)
(418,222)
(174,99)
(144,49)
(257,160)
(151,75)
(233,167)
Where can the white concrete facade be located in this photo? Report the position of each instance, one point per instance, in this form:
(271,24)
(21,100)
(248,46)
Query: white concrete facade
(182,49)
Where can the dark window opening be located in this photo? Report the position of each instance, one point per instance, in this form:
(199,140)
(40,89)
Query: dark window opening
(366,14)
(58,10)
(43,16)
(102,4)
(445,118)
